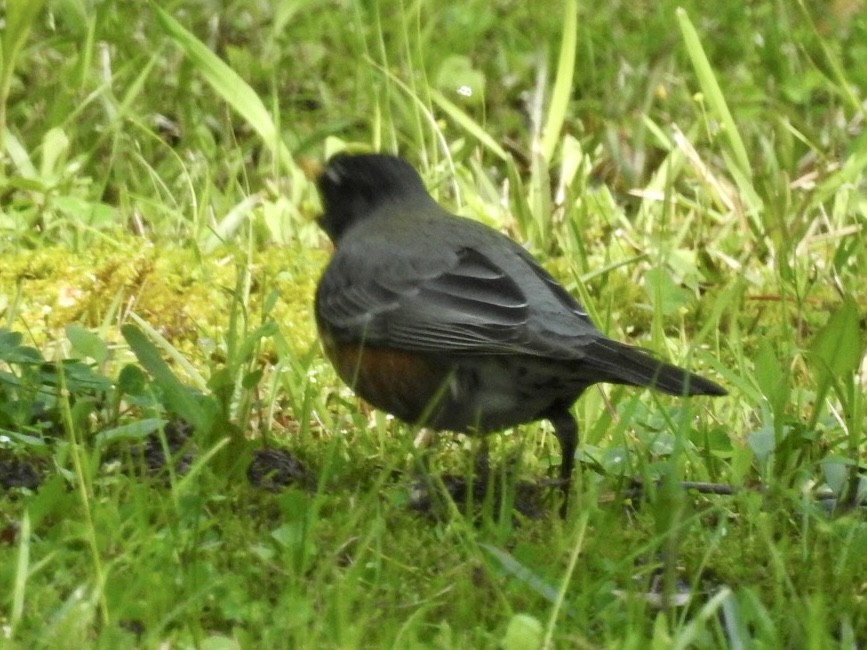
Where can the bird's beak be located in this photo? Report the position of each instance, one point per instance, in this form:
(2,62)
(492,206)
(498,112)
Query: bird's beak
(311,167)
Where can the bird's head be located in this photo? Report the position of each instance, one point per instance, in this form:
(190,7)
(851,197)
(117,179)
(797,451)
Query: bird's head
(355,187)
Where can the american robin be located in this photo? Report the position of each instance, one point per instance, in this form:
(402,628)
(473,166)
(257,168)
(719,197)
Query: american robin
(447,323)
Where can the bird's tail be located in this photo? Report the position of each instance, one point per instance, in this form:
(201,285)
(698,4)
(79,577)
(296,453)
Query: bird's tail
(624,364)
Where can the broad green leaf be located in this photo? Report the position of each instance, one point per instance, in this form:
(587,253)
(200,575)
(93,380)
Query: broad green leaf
(135,430)
(179,396)
(835,354)
(457,76)
(87,344)
(770,376)
(837,347)
(524,632)
(55,147)
(665,294)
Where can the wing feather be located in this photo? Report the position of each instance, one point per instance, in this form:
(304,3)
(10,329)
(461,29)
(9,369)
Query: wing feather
(454,300)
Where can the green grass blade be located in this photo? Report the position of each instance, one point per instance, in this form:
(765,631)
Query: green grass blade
(851,172)
(577,546)
(20,15)
(22,570)
(842,85)
(563,82)
(524,575)
(713,93)
(228,84)
(192,373)
(539,199)
(468,124)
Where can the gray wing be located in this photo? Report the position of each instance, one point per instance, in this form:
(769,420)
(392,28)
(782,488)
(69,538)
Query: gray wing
(458,301)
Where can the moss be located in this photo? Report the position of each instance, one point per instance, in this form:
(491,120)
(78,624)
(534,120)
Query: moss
(181,293)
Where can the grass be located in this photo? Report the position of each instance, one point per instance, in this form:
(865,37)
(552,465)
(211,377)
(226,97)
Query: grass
(694,173)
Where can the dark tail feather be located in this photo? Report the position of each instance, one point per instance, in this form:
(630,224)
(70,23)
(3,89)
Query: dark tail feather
(623,364)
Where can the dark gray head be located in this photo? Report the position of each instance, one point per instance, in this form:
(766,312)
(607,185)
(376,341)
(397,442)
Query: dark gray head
(354,187)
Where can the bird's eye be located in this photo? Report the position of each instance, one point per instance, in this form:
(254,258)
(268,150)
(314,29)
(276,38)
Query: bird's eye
(334,174)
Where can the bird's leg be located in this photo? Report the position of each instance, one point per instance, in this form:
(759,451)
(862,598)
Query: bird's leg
(566,430)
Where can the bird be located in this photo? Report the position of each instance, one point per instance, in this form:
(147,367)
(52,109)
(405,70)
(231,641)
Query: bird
(449,324)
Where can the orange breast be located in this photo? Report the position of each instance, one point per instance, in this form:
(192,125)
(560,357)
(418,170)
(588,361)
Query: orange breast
(401,383)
